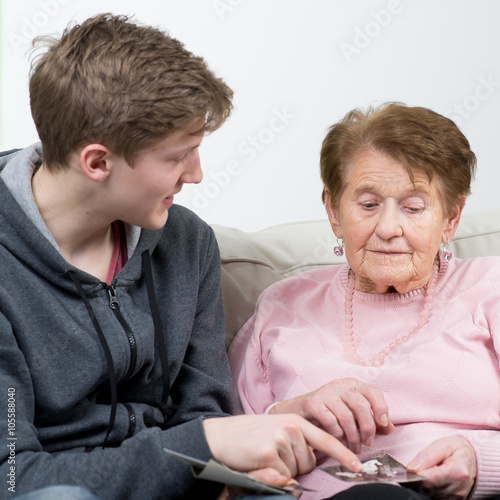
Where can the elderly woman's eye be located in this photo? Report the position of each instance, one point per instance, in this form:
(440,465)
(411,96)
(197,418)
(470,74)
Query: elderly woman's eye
(369,206)
(414,210)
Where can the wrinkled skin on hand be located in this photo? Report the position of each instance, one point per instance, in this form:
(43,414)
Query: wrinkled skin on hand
(350,410)
(448,466)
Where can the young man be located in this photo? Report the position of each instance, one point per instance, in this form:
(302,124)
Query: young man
(111,316)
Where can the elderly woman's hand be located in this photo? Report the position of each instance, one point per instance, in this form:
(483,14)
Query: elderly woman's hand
(348,409)
(448,466)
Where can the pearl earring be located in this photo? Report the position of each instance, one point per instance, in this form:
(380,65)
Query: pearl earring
(338,250)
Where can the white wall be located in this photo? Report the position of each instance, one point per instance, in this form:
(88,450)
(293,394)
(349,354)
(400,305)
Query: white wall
(296,67)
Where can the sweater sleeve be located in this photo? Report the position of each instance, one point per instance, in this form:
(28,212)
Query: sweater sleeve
(251,387)
(488,449)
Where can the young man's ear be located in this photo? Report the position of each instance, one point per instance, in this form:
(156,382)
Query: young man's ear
(95,162)
(333,215)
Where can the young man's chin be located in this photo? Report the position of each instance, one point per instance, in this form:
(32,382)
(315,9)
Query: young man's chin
(152,224)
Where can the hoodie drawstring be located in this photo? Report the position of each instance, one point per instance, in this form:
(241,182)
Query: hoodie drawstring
(107,352)
(159,342)
(158,326)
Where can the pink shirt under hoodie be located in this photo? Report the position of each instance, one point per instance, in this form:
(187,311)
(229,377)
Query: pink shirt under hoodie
(444,380)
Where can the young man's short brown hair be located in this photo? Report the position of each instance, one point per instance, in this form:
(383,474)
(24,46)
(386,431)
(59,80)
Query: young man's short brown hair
(120,84)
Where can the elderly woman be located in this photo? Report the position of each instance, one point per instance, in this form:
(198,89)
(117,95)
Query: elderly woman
(398,351)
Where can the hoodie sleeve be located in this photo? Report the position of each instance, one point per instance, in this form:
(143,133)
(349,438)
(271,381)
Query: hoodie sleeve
(138,467)
(205,366)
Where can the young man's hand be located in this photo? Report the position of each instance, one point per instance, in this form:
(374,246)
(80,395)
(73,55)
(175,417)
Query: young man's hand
(284,443)
(267,476)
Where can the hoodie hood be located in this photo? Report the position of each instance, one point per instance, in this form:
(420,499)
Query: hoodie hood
(35,245)
(53,356)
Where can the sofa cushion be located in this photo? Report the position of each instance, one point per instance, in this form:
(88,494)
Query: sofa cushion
(253,261)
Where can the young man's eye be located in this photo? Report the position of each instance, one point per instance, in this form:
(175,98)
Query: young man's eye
(182,159)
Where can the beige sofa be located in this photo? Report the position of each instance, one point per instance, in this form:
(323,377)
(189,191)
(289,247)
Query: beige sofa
(253,261)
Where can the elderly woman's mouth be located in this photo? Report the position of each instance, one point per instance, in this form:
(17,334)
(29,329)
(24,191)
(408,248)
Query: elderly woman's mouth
(390,253)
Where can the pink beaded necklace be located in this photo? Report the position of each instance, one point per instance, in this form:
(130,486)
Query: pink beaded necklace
(349,331)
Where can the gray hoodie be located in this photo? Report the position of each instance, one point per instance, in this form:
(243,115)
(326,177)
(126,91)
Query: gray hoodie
(97,380)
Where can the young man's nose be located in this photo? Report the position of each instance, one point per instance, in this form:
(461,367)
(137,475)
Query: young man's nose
(192,173)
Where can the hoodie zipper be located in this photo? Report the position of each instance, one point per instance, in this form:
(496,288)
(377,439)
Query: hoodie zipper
(114,304)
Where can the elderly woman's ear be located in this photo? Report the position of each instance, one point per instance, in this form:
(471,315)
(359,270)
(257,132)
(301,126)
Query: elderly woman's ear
(333,215)
(452,224)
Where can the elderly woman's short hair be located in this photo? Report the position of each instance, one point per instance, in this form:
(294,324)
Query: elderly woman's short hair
(417,137)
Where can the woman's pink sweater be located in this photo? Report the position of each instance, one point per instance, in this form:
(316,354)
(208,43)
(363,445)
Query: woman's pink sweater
(444,380)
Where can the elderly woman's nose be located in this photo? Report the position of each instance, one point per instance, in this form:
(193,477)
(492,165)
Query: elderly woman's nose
(389,222)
